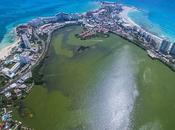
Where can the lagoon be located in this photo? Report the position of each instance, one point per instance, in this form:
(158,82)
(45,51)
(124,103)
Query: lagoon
(113,85)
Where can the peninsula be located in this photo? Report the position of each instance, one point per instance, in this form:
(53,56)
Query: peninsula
(19,61)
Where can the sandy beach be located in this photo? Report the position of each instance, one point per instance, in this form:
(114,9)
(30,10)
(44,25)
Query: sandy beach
(127,19)
(4,52)
(124,15)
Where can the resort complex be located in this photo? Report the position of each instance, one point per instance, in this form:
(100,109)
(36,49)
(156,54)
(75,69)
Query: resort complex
(18,69)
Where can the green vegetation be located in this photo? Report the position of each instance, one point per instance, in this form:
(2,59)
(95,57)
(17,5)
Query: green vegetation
(3,101)
(37,75)
(24,112)
(29,80)
(2,81)
(44,36)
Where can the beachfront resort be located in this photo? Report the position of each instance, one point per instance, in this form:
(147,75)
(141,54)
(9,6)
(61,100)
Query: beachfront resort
(19,67)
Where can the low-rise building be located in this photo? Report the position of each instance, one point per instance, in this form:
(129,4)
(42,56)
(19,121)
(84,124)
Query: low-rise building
(12,71)
(15,68)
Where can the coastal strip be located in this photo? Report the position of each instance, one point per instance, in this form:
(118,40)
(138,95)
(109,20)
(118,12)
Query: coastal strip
(19,60)
(5,52)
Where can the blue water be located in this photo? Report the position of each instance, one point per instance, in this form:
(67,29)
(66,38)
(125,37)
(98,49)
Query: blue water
(14,12)
(157,16)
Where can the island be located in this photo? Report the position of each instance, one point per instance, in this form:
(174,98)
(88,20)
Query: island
(20,61)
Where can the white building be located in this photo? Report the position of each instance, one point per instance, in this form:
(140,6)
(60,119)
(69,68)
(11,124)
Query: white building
(15,68)
(26,41)
(11,72)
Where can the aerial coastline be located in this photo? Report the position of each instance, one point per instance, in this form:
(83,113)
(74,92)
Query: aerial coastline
(125,15)
(5,51)
(33,41)
(126,11)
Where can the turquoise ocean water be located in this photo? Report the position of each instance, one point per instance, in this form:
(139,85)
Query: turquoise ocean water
(155,16)
(14,12)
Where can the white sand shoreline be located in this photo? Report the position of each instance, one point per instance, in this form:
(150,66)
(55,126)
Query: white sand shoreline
(127,19)
(6,47)
(5,51)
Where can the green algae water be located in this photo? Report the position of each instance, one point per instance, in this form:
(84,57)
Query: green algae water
(113,85)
